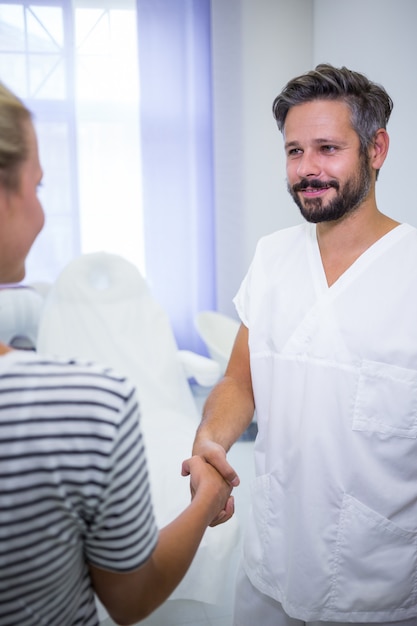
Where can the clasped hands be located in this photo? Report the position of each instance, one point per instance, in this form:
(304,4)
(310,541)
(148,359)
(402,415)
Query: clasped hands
(212,476)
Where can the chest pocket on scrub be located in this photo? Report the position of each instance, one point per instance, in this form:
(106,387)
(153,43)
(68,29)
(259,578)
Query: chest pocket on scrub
(386,400)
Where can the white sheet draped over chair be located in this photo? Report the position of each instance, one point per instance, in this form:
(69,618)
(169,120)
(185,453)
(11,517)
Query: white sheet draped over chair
(218,331)
(100,308)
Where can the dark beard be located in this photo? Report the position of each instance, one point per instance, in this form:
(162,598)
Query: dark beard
(347,199)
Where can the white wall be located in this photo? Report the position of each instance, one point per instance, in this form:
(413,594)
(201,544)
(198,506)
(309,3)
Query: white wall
(258,45)
(378,38)
(254,55)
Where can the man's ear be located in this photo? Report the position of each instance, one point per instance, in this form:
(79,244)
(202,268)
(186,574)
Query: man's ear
(379,148)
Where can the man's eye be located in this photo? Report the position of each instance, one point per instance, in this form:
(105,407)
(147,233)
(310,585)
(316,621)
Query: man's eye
(294,152)
(328,148)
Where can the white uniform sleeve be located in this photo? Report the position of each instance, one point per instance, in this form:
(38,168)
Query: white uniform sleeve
(242,298)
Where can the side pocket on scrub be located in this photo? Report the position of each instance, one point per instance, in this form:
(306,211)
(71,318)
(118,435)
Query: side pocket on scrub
(386,400)
(375,562)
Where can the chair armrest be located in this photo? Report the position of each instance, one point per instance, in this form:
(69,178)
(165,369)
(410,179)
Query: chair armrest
(204,370)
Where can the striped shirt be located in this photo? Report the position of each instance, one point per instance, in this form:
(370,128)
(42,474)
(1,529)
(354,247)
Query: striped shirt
(74,487)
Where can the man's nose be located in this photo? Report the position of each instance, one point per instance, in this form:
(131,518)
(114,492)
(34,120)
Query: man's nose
(308,165)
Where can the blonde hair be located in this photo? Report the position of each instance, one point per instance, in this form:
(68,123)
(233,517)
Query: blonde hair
(13,137)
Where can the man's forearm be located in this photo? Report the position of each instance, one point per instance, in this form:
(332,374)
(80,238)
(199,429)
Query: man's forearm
(227,413)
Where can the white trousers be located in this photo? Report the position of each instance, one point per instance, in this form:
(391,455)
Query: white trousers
(254,608)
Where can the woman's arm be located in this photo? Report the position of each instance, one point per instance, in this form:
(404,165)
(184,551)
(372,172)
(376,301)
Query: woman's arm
(130,597)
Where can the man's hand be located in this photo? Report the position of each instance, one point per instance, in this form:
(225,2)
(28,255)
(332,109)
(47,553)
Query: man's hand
(214,454)
(206,482)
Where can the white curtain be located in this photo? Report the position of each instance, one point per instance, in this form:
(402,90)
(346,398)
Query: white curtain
(176,131)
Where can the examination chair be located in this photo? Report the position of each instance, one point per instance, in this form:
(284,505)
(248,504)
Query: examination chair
(218,332)
(20,313)
(100,308)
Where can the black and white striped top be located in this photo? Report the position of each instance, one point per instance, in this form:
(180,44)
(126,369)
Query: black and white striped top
(74,487)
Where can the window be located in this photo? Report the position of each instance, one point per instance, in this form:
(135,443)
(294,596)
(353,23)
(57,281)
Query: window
(75,64)
(121,93)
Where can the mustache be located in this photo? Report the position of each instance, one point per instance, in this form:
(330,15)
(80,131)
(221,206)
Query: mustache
(314,184)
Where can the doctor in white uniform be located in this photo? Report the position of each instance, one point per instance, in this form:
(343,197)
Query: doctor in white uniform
(327,354)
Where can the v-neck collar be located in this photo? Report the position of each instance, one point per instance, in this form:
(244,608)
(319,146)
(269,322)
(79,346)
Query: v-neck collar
(359,265)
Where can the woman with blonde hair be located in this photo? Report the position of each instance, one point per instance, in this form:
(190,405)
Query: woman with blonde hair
(76,515)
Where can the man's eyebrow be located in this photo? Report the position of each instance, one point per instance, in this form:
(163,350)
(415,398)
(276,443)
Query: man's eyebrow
(319,142)
(291,144)
(331,140)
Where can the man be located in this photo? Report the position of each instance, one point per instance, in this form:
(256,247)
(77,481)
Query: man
(76,514)
(327,354)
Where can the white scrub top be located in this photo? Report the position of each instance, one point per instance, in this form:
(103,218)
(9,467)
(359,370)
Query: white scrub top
(332,533)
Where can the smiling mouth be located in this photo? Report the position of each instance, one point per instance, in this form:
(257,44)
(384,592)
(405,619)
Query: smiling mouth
(314,187)
(315,191)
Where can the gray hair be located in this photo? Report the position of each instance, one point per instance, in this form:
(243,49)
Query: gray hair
(369,103)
